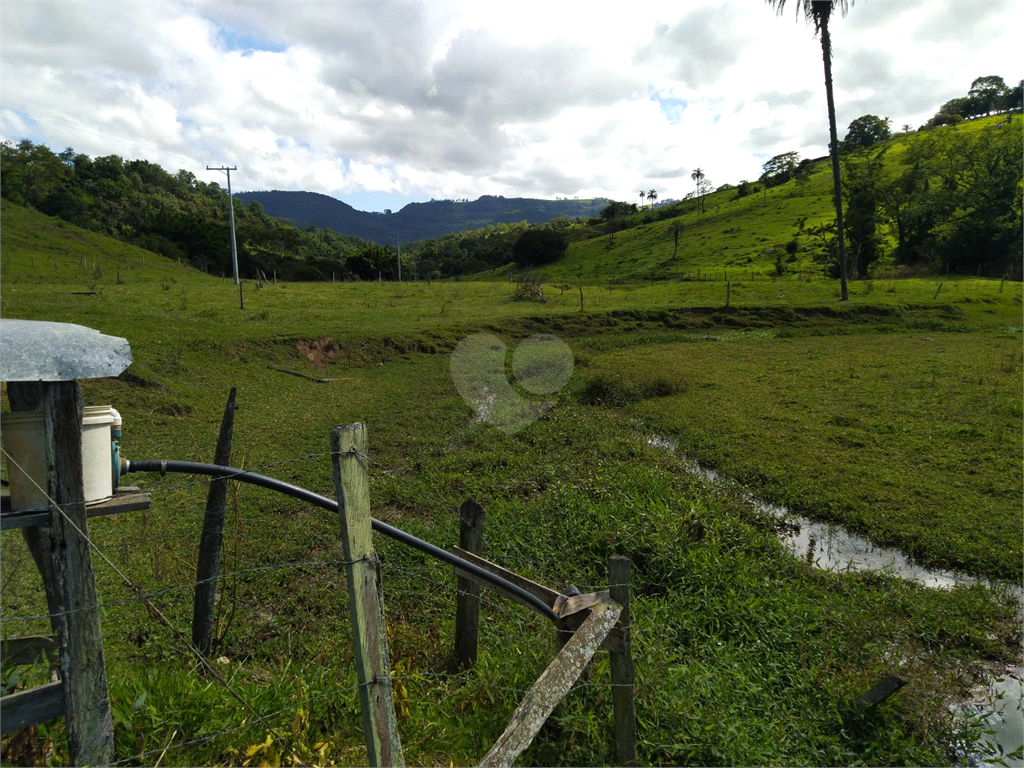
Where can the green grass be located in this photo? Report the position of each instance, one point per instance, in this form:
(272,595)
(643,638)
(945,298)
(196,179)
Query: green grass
(912,438)
(745,655)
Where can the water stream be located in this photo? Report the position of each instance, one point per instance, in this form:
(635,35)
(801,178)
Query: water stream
(834,548)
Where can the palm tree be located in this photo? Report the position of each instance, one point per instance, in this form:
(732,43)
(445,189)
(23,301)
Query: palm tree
(698,177)
(642,196)
(818,12)
(652,196)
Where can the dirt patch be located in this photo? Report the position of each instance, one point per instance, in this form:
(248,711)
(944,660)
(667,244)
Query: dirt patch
(318,351)
(130,378)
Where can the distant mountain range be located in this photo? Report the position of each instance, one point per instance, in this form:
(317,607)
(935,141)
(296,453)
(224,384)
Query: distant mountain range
(416,221)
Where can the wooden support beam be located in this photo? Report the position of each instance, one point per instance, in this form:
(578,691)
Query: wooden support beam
(211,542)
(127,498)
(467,598)
(623,673)
(552,686)
(86,705)
(366,609)
(31,707)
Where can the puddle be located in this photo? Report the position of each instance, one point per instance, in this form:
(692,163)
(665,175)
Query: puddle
(832,547)
(998,709)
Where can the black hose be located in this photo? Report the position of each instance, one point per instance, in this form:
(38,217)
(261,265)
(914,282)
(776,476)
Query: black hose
(215,470)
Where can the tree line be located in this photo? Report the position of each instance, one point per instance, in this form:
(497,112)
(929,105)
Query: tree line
(174,215)
(952,204)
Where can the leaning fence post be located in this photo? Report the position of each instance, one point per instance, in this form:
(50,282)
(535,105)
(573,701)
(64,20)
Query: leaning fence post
(623,674)
(210,545)
(366,610)
(467,599)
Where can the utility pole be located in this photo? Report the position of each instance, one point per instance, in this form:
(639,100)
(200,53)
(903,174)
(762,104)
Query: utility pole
(231,217)
(398,237)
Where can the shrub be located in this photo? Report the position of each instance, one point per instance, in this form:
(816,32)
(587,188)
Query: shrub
(617,390)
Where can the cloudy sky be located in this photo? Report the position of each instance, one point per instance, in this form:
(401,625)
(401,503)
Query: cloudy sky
(380,104)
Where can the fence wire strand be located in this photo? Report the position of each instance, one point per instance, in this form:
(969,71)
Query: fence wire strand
(424,574)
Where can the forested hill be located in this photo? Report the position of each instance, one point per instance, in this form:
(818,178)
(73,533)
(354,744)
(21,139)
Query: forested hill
(416,221)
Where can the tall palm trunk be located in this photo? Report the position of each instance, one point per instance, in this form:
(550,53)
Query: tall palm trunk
(826,54)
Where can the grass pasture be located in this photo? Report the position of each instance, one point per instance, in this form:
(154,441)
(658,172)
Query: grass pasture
(745,655)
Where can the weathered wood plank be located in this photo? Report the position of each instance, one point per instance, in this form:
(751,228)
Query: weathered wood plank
(86,705)
(125,499)
(467,598)
(211,542)
(552,686)
(27,396)
(548,595)
(366,609)
(17,651)
(31,707)
(544,593)
(623,673)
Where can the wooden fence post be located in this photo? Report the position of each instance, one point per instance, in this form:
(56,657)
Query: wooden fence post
(84,679)
(728,288)
(467,599)
(623,674)
(366,611)
(210,544)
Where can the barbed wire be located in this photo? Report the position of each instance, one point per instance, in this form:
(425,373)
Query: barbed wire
(430,500)
(154,612)
(189,585)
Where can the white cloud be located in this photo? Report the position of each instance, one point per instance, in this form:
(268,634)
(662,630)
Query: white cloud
(418,100)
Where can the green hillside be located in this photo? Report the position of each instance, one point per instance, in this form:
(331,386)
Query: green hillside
(49,251)
(747,236)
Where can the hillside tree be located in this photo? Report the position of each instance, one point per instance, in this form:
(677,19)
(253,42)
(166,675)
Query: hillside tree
(866,131)
(698,177)
(780,169)
(818,13)
(988,93)
(539,246)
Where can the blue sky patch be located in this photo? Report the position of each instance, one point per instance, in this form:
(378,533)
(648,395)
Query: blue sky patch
(242,41)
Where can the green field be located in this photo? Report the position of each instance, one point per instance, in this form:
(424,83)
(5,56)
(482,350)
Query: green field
(897,413)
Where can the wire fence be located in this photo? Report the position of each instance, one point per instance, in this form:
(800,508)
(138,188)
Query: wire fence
(425,585)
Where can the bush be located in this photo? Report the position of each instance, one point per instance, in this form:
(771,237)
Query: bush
(618,390)
(943,118)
